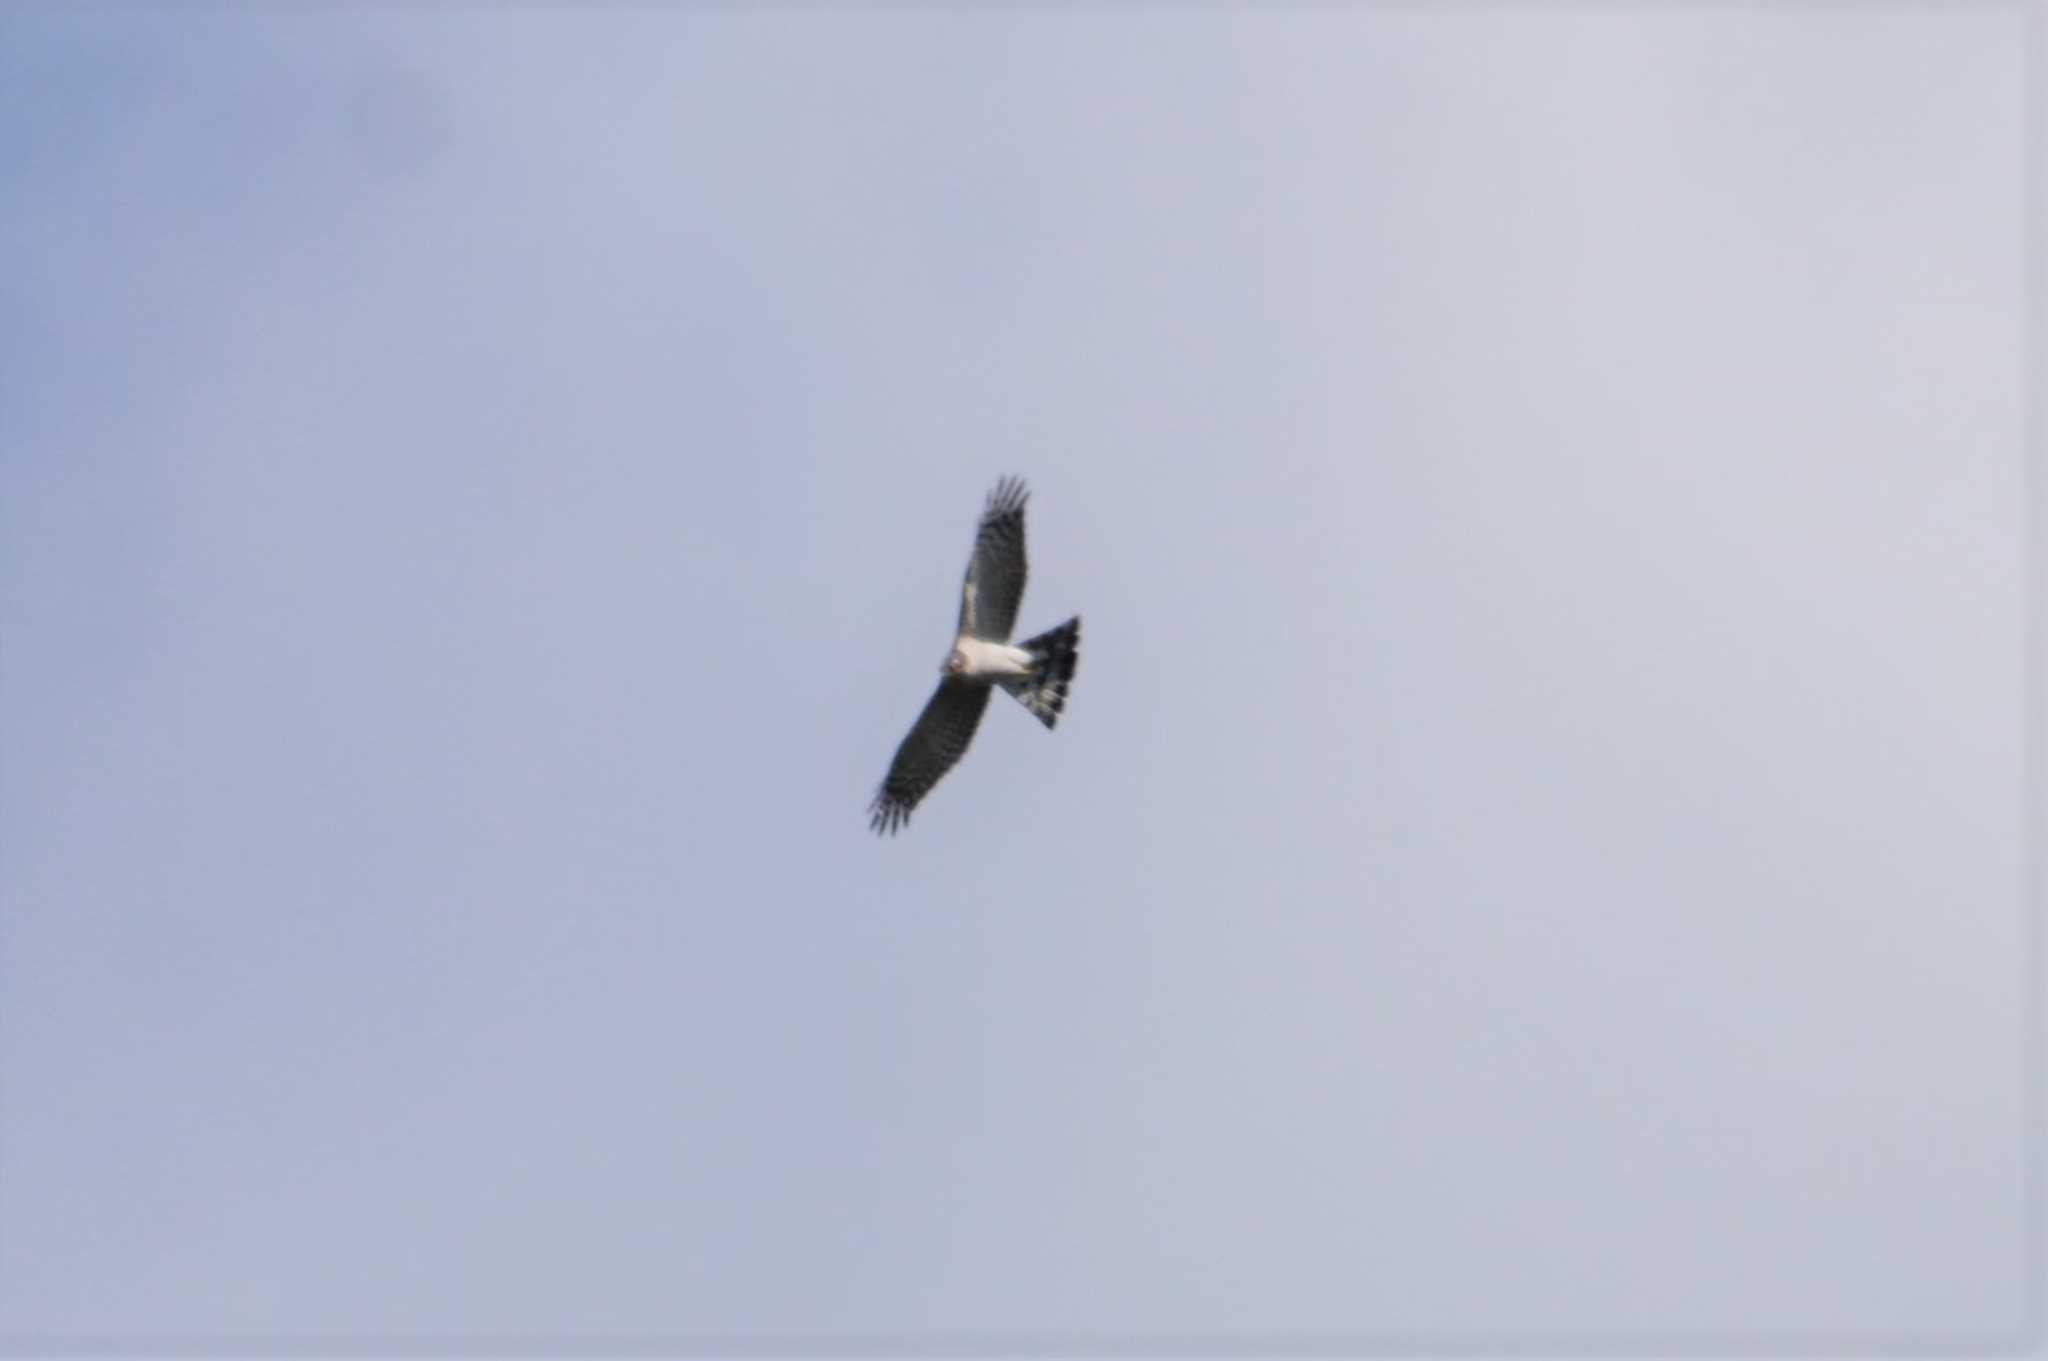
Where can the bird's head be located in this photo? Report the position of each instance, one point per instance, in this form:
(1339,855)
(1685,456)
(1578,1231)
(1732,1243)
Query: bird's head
(956,663)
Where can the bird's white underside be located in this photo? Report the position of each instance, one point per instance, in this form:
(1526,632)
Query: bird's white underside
(989,661)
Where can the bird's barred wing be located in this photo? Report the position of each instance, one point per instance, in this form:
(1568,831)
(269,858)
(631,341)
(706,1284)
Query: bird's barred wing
(995,574)
(937,740)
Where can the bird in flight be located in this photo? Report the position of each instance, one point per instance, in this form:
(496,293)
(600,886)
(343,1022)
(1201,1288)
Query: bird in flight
(1036,672)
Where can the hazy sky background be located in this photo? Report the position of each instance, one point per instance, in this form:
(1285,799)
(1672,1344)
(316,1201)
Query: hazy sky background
(1536,846)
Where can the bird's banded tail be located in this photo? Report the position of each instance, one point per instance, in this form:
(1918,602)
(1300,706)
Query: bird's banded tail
(1053,654)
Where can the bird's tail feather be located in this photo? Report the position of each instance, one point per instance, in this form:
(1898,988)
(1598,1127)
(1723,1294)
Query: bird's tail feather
(1053,654)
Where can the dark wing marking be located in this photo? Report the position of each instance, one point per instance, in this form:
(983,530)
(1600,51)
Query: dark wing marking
(995,573)
(937,740)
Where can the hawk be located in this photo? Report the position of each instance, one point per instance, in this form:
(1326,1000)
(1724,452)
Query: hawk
(1036,672)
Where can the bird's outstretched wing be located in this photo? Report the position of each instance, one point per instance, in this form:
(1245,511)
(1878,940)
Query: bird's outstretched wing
(937,740)
(995,574)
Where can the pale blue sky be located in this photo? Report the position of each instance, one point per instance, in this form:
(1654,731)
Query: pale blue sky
(1536,847)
